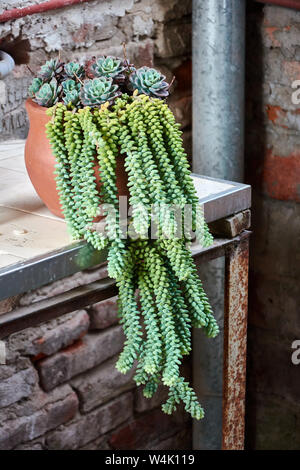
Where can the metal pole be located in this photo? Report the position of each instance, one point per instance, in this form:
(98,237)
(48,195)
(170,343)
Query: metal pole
(218,151)
(218,88)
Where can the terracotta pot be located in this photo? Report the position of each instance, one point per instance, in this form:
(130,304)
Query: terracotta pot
(40,162)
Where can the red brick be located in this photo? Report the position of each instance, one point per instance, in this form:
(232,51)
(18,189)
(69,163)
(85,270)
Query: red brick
(180,441)
(183,75)
(92,350)
(86,429)
(48,338)
(151,427)
(281,176)
(182,109)
(18,386)
(287,119)
(270,30)
(101,384)
(103,314)
(144,55)
(145,404)
(33,417)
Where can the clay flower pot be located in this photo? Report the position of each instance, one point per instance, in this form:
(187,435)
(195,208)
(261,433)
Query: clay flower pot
(40,162)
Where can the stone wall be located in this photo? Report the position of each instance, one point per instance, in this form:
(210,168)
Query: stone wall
(59,388)
(273,168)
(156,32)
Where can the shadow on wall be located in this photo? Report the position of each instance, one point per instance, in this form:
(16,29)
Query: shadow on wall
(18,48)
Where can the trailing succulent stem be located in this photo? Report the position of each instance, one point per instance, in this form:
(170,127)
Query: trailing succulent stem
(160,295)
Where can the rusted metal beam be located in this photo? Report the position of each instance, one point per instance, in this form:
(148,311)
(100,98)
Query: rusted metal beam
(235,340)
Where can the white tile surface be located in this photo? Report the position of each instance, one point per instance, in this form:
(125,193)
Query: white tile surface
(7,259)
(11,148)
(27,228)
(28,235)
(206,187)
(17,192)
(16,163)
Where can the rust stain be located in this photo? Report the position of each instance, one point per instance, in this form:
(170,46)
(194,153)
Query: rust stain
(274,112)
(235,339)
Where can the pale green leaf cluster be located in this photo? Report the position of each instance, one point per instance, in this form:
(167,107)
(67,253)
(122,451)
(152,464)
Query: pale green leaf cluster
(160,295)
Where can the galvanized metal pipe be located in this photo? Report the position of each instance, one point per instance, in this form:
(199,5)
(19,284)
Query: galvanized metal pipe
(218,151)
(218,88)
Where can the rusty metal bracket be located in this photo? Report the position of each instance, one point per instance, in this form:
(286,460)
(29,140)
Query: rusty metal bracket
(235,341)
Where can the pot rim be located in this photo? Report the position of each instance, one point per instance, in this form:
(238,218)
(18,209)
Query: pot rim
(32,104)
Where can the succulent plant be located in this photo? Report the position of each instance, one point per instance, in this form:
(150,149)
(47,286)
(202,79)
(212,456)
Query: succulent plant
(94,83)
(71,98)
(158,323)
(73,70)
(71,91)
(150,82)
(48,94)
(35,86)
(70,85)
(98,91)
(50,69)
(110,67)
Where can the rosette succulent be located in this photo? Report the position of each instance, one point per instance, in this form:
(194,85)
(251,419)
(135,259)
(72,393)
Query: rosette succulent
(98,81)
(71,91)
(98,91)
(35,86)
(98,120)
(149,82)
(48,94)
(74,70)
(110,67)
(50,69)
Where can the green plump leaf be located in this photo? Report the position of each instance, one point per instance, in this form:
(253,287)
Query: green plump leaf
(47,95)
(74,70)
(109,67)
(150,82)
(35,86)
(50,69)
(98,91)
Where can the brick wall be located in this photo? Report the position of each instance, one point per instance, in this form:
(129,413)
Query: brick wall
(273,168)
(156,33)
(60,389)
